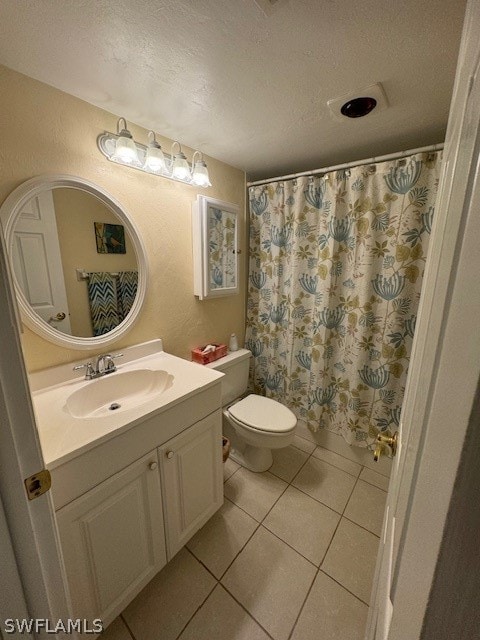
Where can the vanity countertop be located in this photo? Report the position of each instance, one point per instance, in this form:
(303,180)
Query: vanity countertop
(63,437)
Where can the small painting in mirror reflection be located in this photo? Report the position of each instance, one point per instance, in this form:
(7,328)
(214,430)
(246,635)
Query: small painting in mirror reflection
(110,237)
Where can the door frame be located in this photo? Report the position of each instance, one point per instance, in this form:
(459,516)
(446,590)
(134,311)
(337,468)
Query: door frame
(28,528)
(445,366)
(12,601)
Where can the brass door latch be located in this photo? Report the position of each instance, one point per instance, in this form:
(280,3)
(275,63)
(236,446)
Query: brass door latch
(38,484)
(383,442)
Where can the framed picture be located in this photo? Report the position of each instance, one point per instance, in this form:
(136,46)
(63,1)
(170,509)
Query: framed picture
(110,237)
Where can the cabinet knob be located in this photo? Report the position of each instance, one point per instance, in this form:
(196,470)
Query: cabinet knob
(152,466)
(169,454)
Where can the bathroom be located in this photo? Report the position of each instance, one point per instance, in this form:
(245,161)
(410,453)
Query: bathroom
(53,131)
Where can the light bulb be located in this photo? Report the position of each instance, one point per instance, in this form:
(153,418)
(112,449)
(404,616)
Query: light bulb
(200,176)
(180,169)
(125,149)
(154,159)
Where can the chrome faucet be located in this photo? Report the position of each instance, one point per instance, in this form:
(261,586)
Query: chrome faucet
(104,364)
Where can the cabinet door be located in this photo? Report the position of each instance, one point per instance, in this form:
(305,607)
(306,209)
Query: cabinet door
(191,466)
(215,247)
(113,540)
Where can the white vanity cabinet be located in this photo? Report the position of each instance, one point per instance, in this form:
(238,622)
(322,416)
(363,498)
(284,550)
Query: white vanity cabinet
(113,541)
(121,530)
(192,484)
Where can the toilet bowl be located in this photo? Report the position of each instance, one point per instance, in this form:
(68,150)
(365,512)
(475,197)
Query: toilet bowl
(260,425)
(254,424)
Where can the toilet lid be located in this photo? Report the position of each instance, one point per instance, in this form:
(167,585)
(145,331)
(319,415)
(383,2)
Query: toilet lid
(263,414)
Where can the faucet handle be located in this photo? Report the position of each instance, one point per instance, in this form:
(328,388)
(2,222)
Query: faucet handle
(89,373)
(81,366)
(117,355)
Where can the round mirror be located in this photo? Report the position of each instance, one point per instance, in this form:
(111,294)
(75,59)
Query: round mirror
(78,262)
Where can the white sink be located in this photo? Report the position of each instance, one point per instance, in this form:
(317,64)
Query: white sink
(73,415)
(117,392)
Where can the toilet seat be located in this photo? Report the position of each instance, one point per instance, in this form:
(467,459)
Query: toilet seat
(263,414)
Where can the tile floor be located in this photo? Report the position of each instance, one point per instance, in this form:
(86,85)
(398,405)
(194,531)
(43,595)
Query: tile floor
(290,555)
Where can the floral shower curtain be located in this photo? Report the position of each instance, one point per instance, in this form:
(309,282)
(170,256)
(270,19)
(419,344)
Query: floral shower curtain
(336,266)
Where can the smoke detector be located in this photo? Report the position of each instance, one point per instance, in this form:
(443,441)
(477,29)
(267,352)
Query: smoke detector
(359,104)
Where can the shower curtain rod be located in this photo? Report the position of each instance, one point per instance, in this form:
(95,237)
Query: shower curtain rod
(348,165)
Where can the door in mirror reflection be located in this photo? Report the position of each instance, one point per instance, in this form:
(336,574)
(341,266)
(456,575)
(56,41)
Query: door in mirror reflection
(38,263)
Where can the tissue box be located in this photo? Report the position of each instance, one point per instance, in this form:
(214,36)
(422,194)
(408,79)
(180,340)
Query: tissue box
(211,356)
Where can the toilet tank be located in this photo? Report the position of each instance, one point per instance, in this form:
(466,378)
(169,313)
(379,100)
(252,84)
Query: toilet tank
(235,366)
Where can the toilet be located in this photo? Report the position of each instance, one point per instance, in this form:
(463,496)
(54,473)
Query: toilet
(254,424)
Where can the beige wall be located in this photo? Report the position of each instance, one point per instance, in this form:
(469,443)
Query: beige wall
(76,212)
(43,130)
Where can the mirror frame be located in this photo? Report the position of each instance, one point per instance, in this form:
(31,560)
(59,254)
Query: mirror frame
(9,212)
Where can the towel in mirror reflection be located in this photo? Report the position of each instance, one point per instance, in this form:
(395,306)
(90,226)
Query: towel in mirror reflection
(110,297)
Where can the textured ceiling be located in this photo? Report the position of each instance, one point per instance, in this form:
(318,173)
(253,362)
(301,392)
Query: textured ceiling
(248,81)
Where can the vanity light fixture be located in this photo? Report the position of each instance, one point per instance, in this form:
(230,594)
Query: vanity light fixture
(121,148)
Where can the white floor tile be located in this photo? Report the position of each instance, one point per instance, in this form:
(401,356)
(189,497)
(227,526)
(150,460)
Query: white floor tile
(366,507)
(304,432)
(255,493)
(117,630)
(287,462)
(351,558)
(221,538)
(372,477)
(271,581)
(303,444)
(336,443)
(325,483)
(338,461)
(331,613)
(303,523)
(222,618)
(229,468)
(383,466)
(167,603)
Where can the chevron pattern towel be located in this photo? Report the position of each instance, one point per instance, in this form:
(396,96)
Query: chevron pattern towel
(126,291)
(111,298)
